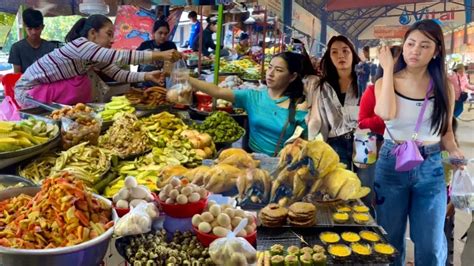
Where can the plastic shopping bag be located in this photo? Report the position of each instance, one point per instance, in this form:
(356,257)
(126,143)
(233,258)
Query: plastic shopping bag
(462,190)
(8,110)
(181,91)
(365,147)
(138,221)
(232,250)
(80,128)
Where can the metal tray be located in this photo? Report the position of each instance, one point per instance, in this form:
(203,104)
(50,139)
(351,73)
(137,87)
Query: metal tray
(32,149)
(90,252)
(324,213)
(12,180)
(266,237)
(153,108)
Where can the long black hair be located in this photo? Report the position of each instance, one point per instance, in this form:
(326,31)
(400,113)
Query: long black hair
(296,88)
(160,23)
(328,69)
(437,71)
(395,50)
(82,26)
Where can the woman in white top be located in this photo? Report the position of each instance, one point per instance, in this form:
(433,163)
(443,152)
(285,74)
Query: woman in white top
(419,194)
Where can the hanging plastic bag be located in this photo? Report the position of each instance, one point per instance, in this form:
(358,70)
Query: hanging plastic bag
(462,190)
(138,221)
(365,147)
(80,128)
(232,250)
(181,91)
(8,110)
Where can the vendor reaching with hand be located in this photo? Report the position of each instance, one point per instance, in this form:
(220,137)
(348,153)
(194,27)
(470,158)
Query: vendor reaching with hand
(61,76)
(160,42)
(274,113)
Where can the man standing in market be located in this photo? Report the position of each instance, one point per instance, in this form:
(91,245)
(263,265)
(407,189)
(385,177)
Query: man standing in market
(195,29)
(25,52)
(363,70)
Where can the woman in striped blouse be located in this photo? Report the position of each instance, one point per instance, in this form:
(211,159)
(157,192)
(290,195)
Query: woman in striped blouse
(61,76)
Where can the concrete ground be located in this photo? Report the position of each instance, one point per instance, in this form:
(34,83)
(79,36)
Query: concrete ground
(465,134)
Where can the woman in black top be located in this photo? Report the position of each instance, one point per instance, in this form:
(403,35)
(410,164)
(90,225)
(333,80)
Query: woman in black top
(161,29)
(207,41)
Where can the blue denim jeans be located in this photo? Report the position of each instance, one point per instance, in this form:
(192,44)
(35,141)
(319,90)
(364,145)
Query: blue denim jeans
(343,146)
(418,195)
(367,178)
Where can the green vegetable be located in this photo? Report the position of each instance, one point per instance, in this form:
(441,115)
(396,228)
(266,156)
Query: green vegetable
(221,127)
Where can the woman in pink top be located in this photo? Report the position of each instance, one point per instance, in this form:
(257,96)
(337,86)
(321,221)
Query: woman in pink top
(61,76)
(461,86)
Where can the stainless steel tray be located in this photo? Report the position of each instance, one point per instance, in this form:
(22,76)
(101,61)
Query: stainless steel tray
(90,252)
(12,180)
(33,149)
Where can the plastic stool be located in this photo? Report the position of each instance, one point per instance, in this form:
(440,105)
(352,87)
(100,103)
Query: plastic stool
(8,82)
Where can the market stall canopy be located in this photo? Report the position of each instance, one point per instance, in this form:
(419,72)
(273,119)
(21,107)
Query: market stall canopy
(370,21)
(53,8)
(338,5)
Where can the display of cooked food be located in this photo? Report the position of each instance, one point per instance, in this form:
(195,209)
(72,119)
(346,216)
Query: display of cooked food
(273,215)
(293,255)
(221,127)
(40,168)
(361,218)
(339,251)
(384,249)
(25,133)
(369,236)
(61,214)
(329,237)
(220,219)
(350,237)
(154,249)
(182,192)
(127,137)
(340,217)
(360,208)
(361,249)
(83,127)
(302,214)
(151,97)
(117,106)
(71,111)
(85,162)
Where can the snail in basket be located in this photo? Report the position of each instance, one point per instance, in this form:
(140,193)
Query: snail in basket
(132,194)
(221,219)
(182,192)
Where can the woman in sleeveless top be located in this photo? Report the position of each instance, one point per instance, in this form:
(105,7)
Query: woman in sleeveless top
(419,194)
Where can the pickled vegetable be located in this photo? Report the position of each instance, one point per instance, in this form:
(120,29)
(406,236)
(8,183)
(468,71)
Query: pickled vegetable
(221,127)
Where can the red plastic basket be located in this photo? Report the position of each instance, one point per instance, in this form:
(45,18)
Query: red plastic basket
(122,211)
(207,239)
(183,210)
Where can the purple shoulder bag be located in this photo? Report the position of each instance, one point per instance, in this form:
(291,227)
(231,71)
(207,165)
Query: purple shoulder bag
(407,153)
